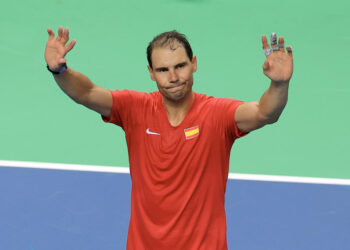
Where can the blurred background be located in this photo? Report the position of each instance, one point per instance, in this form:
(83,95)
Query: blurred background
(40,123)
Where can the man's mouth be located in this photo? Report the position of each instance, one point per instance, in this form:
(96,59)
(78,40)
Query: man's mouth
(175,85)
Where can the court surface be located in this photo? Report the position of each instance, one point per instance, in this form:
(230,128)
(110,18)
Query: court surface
(45,209)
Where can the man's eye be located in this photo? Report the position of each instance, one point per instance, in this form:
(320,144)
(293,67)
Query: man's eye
(181,66)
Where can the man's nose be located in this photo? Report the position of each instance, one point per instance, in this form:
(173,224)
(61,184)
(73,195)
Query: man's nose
(173,76)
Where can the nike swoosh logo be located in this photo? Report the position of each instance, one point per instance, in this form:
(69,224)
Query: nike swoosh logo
(151,133)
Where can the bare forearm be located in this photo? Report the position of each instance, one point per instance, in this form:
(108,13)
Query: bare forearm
(273,101)
(278,67)
(74,84)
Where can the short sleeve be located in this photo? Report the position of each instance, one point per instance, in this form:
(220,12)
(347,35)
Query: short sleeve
(225,110)
(125,103)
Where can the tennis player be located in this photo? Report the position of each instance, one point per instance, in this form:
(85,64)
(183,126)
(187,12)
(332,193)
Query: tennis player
(179,141)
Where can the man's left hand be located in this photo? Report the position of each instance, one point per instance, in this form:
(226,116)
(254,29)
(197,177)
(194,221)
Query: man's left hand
(278,65)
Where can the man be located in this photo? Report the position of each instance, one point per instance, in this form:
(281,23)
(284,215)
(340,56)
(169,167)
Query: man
(179,141)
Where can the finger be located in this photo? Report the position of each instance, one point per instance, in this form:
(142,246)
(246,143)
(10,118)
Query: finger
(70,45)
(60,33)
(264,42)
(273,41)
(266,47)
(65,36)
(51,34)
(281,44)
(289,50)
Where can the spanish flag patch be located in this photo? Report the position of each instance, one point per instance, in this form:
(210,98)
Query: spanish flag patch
(191,132)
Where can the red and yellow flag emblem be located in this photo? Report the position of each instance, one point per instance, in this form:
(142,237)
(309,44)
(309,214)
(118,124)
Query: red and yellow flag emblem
(191,132)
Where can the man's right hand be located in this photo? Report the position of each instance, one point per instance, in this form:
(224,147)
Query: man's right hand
(76,85)
(56,49)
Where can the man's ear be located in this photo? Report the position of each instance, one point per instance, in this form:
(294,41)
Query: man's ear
(150,72)
(194,63)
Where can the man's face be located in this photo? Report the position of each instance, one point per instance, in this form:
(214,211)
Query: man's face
(173,71)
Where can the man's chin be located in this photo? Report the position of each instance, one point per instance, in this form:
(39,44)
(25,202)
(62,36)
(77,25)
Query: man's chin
(178,96)
(175,97)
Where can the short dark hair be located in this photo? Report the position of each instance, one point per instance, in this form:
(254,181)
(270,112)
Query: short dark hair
(167,38)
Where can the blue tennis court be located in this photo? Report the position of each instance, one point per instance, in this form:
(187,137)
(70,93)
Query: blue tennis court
(60,209)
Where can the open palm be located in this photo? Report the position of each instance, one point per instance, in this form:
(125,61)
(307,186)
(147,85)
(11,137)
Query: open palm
(278,65)
(56,49)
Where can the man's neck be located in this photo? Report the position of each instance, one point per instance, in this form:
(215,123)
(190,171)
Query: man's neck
(176,111)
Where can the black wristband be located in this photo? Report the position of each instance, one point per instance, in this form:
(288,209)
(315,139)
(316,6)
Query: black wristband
(63,69)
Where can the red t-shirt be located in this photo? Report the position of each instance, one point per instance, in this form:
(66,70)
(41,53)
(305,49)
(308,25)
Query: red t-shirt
(178,173)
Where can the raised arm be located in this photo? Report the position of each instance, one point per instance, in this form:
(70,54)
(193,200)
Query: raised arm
(76,85)
(278,66)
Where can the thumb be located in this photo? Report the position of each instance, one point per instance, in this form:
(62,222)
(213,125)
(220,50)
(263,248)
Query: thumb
(266,65)
(51,34)
(62,61)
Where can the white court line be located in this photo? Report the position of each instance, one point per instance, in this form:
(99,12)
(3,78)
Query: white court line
(60,166)
(125,170)
(294,179)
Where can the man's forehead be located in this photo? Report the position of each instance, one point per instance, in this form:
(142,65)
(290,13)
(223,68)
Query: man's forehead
(169,55)
(174,46)
(171,44)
